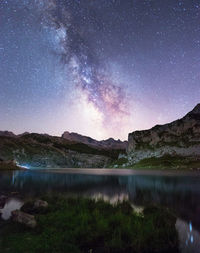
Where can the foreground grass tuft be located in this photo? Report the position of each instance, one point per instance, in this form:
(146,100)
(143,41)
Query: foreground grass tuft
(75,225)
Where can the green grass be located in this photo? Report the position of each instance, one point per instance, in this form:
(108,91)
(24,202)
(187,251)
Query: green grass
(83,225)
(164,162)
(167,162)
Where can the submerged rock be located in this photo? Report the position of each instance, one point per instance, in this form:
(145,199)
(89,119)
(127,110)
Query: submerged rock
(24,218)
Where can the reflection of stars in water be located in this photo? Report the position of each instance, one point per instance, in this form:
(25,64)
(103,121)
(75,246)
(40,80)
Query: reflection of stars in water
(188,237)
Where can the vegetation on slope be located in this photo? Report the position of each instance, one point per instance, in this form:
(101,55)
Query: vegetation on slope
(29,145)
(164,162)
(62,144)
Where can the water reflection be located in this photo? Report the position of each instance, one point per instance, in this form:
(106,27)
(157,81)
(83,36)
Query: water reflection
(180,193)
(189,238)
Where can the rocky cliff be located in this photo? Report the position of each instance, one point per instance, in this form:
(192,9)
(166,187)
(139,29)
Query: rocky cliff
(104,144)
(180,138)
(41,150)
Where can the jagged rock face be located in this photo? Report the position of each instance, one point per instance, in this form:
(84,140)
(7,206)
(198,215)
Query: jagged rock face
(181,137)
(106,144)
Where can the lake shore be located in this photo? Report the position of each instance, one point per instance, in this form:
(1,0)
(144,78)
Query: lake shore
(178,191)
(118,171)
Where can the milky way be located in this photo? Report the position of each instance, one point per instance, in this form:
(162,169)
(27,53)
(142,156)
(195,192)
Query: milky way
(89,74)
(98,67)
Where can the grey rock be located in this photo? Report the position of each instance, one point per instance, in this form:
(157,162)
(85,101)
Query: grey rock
(24,218)
(40,204)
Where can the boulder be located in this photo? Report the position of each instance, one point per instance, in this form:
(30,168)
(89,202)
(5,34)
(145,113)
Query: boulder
(24,218)
(40,204)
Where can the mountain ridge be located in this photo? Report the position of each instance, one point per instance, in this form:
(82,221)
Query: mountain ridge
(175,143)
(42,150)
(109,143)
(179,138)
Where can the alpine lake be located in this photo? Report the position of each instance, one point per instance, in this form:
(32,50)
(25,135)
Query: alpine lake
(178,191)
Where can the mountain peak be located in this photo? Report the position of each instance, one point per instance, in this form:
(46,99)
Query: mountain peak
(196,110)
(7,134)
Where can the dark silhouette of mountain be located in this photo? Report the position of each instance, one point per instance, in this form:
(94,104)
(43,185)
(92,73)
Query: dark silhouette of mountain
(7,133)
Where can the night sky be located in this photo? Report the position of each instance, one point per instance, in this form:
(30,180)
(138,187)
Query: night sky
(102,68)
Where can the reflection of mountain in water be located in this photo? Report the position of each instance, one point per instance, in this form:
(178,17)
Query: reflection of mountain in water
(180,193)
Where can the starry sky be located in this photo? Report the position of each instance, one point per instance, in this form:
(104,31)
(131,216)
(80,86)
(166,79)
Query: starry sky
(102,68)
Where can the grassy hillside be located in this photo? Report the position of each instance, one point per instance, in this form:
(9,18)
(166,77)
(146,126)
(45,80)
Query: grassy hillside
(164,162)
(168,162)
(42,148)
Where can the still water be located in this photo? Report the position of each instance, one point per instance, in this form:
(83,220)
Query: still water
(180,192)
